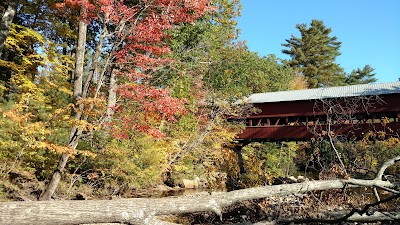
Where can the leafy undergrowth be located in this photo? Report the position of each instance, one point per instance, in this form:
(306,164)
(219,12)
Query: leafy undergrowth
(310,205)
(19,185)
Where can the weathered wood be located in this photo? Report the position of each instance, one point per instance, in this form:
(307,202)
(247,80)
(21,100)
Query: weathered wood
(144,211)
(385,165)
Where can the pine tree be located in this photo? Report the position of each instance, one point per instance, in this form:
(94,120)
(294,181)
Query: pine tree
(314,54)
(361,76)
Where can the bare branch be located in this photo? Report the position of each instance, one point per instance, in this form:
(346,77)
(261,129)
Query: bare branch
(385,165)
(355,212)
(388,189)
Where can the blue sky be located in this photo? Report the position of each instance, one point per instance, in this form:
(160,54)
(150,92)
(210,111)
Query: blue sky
(368,29)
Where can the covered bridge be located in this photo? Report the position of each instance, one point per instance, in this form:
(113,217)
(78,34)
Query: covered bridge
(349,111)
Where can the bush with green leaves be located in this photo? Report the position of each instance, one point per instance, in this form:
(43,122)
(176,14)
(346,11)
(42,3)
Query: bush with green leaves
(264,162)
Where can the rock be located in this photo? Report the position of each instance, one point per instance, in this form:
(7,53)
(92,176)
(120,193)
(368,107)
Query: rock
(195,183)
(292,178)
(301,178)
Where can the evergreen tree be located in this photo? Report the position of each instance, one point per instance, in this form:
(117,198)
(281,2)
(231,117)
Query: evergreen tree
(361,76)
(314,54)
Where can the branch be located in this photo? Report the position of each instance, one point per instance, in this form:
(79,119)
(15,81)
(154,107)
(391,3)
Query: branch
(389,190)
(385,165)
(329,120)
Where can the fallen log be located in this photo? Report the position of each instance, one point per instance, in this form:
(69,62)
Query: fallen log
(145,210)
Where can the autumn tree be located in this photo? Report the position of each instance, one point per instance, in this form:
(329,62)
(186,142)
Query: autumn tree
(135,34)
(313,55)
(203,131)
(212,68)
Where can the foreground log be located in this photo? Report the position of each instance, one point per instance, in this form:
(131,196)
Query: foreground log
(145,211)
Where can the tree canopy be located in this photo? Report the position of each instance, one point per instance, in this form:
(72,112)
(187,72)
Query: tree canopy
(361,76)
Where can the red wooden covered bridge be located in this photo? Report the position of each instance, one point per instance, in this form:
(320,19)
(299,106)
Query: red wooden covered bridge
(348,111)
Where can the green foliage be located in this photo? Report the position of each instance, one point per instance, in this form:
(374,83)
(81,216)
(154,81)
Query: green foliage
(208,56)
(134,163)
(369,154)
(240,73)
(265,161)
(196,47)
(361,76)
(361,158)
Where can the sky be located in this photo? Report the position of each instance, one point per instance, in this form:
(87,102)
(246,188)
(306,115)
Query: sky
(368,29)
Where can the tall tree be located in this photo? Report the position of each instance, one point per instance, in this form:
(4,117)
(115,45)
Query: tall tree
(314,53)
(365,75)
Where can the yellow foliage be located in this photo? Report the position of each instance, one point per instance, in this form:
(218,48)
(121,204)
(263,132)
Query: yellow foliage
(392,142)
(26,85)
(65,90)
(298,83)
(92,107)
(20,39)
(61,149)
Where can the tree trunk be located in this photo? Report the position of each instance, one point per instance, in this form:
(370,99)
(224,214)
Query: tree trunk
(95,61)
(6,22)
(112,96)
(145,211)
(75,132)
(55,179)
(80,59)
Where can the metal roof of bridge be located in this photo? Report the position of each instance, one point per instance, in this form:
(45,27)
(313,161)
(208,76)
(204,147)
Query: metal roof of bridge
(326,93)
